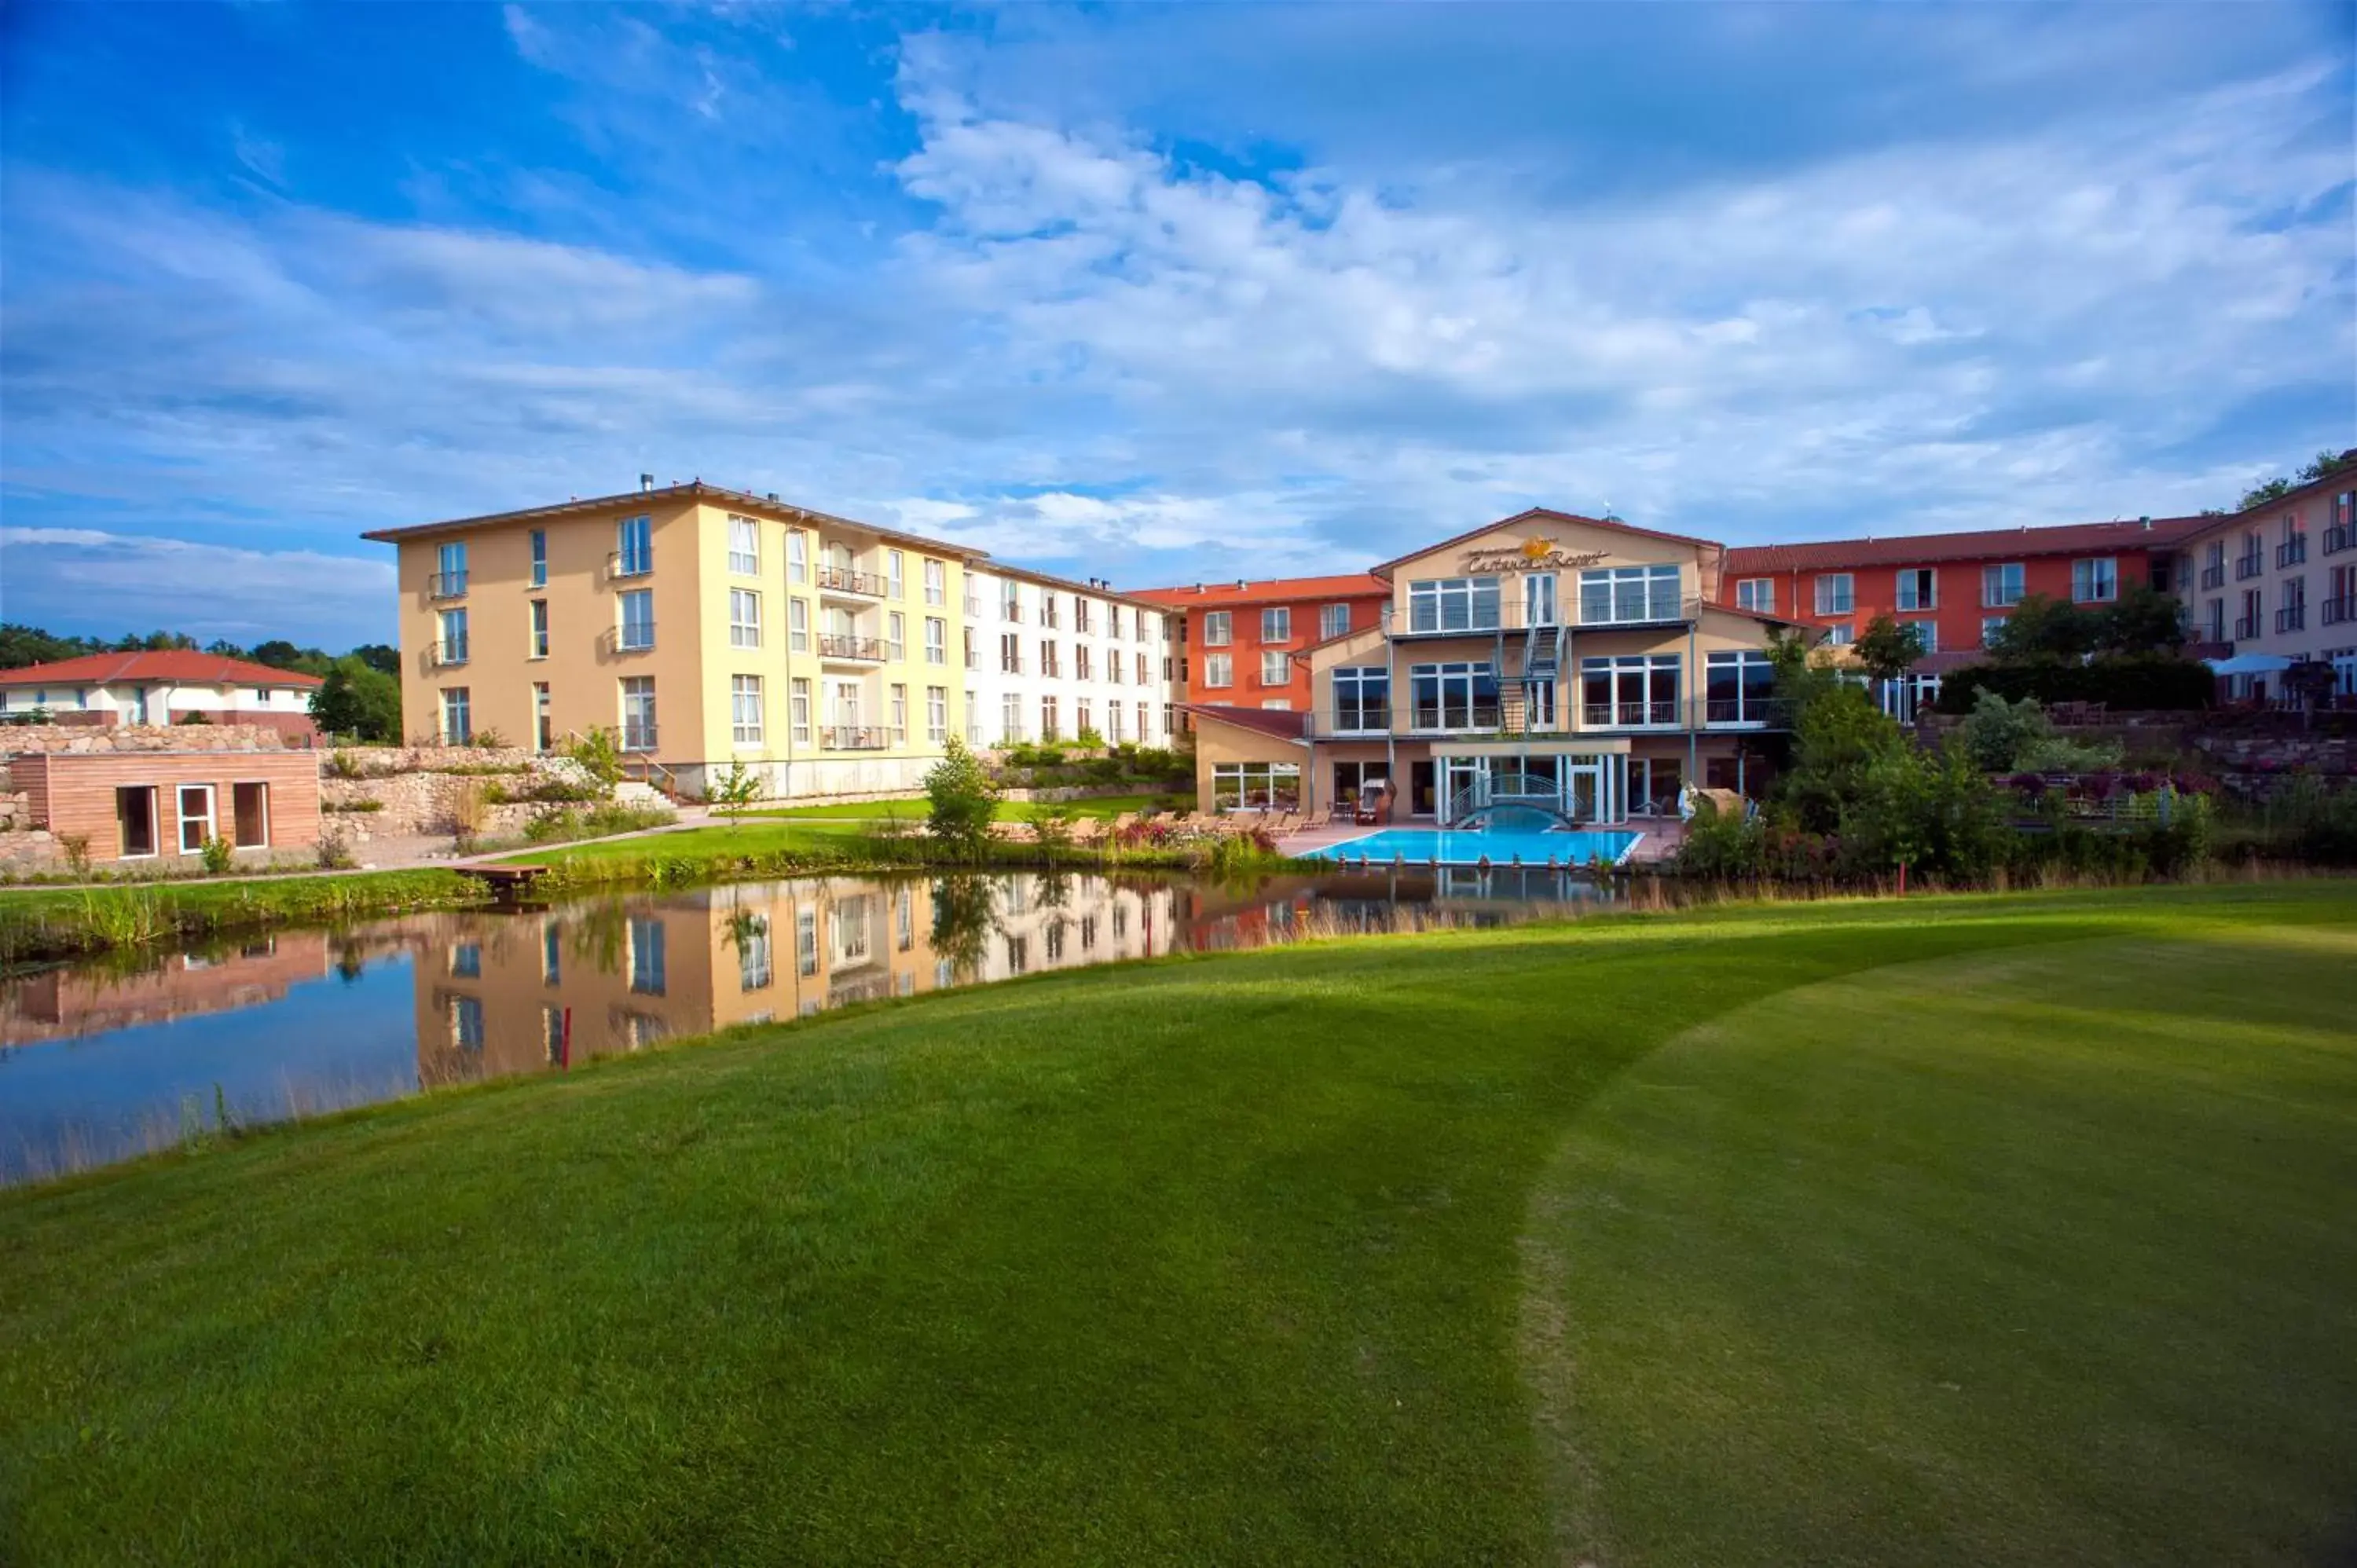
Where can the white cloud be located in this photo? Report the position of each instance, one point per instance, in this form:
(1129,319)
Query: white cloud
(139,582)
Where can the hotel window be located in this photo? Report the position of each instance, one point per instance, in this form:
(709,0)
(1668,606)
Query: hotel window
(540,628)
(1629,691)
(1621,595)
(753,967)
(1277,625)
(2001,586)
(1219,670)
(637,712)
(1145,730)
(896,634)
(1255,786)
(1841,634)
(1454,696)
(1010,601)
(972,717)
(1010,718)
(937,713)
(894,564)
(1363,699)
(1170,718)
(1080,615)
(744,618)
(1142,668)
(2293,616)
(539,558)
(745,708)
(2094,581)
(798,697)
(1757,594)
(543,728)
(797,555)
(900,714)
(1836,593)
(467,1022)
(1216,629)
(1112,665)
(1083,719)
(936,641)
(2292,549)
(2216,620)
(744,546)
(1080,656)
(1991,627)
(1048,730)
(1010,653)
(1333,621)
(972,648)
(637,610)
(450,572)
(806,942)
(1919,588)
(650,971)
(1047,616)
(1453,604)
(1112,622)
(1928,631)
(634,547)
(797,625)
(1048,664)
(937,582)
(1737,687)
(452,647)
(1274,669)
(1113,723)
(457,716)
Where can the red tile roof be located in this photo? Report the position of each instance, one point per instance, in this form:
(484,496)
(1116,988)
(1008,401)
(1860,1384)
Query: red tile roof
(1275,591)
(1286,724)
(1990,544)
(180,666)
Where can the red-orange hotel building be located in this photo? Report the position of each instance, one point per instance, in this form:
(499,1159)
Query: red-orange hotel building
(1238,639)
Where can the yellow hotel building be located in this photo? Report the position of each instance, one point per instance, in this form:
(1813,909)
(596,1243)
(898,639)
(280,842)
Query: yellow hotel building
(704,626)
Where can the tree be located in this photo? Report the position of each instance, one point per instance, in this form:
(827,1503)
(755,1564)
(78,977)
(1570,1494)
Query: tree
(733,791)
(2042,627)
(23,645)
(599,758)
(2274,489)
(379,656)
(1886,649)
(355,700)
(962,800)
(2143,620)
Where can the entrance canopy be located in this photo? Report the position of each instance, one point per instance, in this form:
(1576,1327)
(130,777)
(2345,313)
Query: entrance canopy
(2248,664)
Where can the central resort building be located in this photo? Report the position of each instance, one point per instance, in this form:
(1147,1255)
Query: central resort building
(1578,665)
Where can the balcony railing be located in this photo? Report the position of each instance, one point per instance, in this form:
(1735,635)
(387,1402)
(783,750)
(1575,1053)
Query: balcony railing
(450,650)
(2213,577)
(2245,626)
(972,660)
(2292,617)
(1767,713)
(865,650)
(631,636)
(841,580)
(1626,715)
(1372,718)
(1751,711)
(855,738)
(446,586)
(1009,666)
(1011,611)
(2340,536)
(1476,716)
(2291,551)
(635,563)
(2249,566)
(2336,612)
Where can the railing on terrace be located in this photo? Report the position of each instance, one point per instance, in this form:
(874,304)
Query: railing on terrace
(637,563)
(2292,617)
(2249,566)
(450,650)
(2245,626)
(1713,713)
(446,586)
(2213,577)
(1514,616)
(2340,536)
(1628,715)
(867,649)
(631,637)
(2291,551)
(841,580)
(855,738)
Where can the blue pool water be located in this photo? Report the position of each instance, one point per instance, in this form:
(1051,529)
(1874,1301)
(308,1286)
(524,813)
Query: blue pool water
(1422,845)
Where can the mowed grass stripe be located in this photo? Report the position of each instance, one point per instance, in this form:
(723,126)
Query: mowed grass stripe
(2032,1257)
(1213,1259)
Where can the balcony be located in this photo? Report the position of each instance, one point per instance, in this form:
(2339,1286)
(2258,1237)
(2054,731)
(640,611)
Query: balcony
(843,580)
(2246,628)
(1476,718)
(1011,611)
(622,566)
(2291,551)
(851,649)
(450,650)
(446,586)
(2337,612)
(2339,537)
(631,637)
(2292,617)
(855,738)
(2214,576)
(1628,715)
(2249,566)
(1369,718)
(1747,713)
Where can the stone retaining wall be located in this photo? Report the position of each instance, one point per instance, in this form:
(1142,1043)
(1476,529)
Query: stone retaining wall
(2256,766)
(16,812)
(379,761)
(26,739)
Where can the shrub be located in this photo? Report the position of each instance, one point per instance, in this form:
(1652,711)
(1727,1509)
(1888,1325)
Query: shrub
(219,854)
(352,806)
(2055,754)
(599,756)
(343,765)
(194,719)
(1726,846)
(2145,681)
(961,801)
(77,851)
(733,791)
(1997,732)
(489,739)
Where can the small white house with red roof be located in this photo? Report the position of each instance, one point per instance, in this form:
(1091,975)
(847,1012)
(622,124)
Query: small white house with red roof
(160,688)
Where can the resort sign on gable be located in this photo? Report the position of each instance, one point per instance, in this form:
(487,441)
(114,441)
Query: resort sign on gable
(1533,554)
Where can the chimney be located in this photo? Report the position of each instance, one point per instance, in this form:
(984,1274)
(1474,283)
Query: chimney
(646,483)
(2146,523)
(773,495)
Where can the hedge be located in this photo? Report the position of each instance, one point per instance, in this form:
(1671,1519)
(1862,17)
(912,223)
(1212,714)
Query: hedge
(2141,683)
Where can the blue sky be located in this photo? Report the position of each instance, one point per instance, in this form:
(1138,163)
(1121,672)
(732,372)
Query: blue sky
(1155,294)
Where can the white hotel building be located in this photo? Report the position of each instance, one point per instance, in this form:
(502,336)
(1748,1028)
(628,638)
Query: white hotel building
(1047,658)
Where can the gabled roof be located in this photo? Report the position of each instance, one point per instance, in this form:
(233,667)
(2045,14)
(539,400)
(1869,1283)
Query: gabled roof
(1546,514)
(694,490)
(1931,548)
(1270,591)
(1284,724)
(180,666)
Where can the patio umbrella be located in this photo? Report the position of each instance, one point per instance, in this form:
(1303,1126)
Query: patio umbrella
(2248,664)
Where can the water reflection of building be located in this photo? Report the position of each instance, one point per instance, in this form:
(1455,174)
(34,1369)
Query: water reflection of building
(61,1005)
(502,993)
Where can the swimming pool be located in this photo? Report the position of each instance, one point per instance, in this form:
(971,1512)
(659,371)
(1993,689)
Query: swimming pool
(1421,846)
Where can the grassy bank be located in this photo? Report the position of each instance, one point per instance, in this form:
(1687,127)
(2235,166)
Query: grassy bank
(1987,1230)
(43,924)
(914,808)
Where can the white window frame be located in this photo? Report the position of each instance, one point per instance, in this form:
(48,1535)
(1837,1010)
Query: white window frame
(1757,594)
(744,699)
(537,619)
(1835,593)
(2004,584)
(1333,621)
(624,620)
(1917,588)
(937,715)
(744,546)
(744,618)
(936,641)
(797,555)
(1275,668)
(937,582)
(2084,574)
(1219,628)
(798,715)
(1219,670)
(1276,624)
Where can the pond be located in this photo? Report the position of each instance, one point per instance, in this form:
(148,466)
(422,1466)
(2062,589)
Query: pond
(105,1061)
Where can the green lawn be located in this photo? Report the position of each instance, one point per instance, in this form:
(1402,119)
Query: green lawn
(914,808)
(1976,1230)
(751,836)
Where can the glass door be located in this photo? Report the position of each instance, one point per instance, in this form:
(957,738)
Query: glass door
(196,804)
(1538,599)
